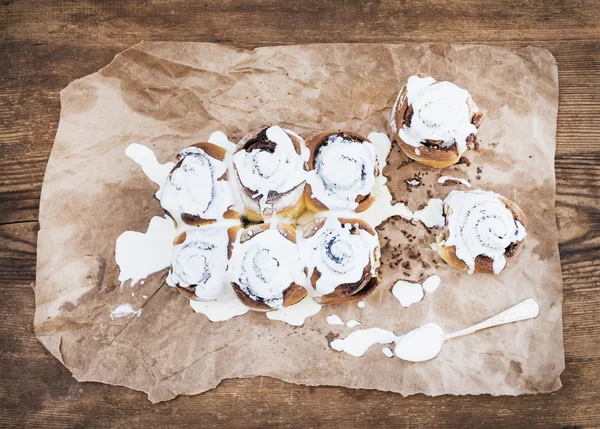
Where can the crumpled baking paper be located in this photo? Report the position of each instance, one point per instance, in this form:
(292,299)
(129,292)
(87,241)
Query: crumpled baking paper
(169,95)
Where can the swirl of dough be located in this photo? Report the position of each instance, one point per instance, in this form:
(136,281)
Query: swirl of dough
(482,224)
(342,171)
(196,191)
(270,167)
(265,267)
(341,256)
(199,262)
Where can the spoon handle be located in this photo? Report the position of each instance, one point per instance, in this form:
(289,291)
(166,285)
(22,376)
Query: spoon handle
(524,310)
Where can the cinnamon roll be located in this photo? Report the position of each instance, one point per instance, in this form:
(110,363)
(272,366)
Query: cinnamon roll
(434,122)
(341,256)
(196,191)
(271,171)
(199,261)
(483,231)
(342,170)
(265,269)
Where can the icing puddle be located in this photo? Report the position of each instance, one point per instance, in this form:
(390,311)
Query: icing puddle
(425,342)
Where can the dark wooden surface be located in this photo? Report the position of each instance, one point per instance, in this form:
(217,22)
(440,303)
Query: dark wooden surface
(45,45)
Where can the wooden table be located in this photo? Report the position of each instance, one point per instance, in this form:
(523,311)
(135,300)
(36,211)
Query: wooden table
(46,44)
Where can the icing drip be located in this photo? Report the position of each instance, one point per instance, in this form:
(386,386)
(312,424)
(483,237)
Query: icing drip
(334,319)
(359,341)
(140,254)
(360,304)
(182,193)
(339,255)
(382,208)
(200,261)
(444,179)
(432,215)
(220,139)
(145,158)
(441,112)
(265,265)
(272,170)
(344,169)
(407,293)
(296,314)
(352,323)
(226,306)
(479,223)
(124,310)
(388,352)
(431,284)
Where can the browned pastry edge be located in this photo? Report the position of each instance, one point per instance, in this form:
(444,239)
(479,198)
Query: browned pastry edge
(218,153)
(314,144)
(347,292)
(190,292)
(483,264)
(431,155)
(289,212)
(292,294)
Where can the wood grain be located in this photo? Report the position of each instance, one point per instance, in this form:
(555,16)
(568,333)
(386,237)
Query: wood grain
(45,45)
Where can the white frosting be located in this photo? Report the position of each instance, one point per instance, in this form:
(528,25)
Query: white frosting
(413,182)
(360,304)
(358,342)
(388,352)
(265,265)
(140,254)
(201,261)
(441,111)
(421,344)
(124,310)
(338,255)
(479,223)
(225,307)
(281,171)
(444,179)
(382,208)
(334,319)
(195,187)
(431,283)
(432,215)
(344,169)
(145,158)
(296,314)
(352,323)
(425,342)
(219,138)
(407,293)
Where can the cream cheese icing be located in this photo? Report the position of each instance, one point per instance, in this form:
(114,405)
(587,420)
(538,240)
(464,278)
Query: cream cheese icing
(201,261)
(479,223)
(444,179)
(181,193)
(441,112)
(432,215)
(344,169)
(337,254)
(267,174)
(265,265)
(140,254)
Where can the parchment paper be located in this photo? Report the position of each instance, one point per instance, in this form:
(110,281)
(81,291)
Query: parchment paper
(169,95)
